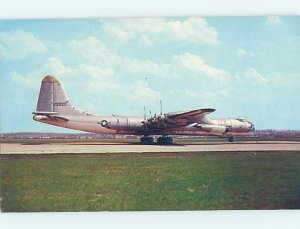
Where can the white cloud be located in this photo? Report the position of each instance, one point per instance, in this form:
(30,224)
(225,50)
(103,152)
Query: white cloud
(16,77)
(124,77)
(112,91)
(142,93)
(145,40)
(243,53)
(19,44)
(200,95)
(273,20)
(121,87)
(119,34)
(54,66)
(253,76)
(95,53)
(28,80)
(184,65)
(114,76)
(93,50)
(144,67)
(95,71)
(284,80)
(148,31)
(196,64)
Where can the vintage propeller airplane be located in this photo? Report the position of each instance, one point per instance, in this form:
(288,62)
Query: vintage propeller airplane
(55,108)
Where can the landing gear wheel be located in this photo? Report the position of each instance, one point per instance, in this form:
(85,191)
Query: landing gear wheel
(165,141)
(231,139)
(147,140)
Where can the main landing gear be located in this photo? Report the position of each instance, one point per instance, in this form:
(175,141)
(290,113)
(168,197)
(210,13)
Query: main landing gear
(163,140)
(147,140)
(231,139)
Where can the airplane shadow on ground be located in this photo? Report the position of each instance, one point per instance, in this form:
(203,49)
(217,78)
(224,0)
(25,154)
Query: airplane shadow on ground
(130,143)
(140,144)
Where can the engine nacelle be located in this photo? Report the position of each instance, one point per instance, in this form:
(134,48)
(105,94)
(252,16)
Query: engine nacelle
(212,128)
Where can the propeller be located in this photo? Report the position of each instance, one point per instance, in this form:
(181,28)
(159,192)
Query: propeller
(160,107)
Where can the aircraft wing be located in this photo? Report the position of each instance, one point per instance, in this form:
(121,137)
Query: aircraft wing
(176,119)
(193,114)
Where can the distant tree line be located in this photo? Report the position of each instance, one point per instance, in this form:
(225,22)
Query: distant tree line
(270,133)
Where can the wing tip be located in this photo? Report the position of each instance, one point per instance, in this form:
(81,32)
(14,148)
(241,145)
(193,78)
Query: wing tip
(209,110)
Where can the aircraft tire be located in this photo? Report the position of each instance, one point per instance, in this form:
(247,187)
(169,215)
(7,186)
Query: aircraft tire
(147,140)
(165,141)
(231,139)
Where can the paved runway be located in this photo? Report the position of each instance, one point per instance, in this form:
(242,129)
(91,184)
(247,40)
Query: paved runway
(54,148)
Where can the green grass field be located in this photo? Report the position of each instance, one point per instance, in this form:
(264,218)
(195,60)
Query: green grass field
(157,181)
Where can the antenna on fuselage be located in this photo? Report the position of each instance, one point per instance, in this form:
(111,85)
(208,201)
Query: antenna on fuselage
(160,107)
(145,113)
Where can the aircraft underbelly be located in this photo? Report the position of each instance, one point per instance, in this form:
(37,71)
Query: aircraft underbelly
(194,132)
(190,130)
(88,127)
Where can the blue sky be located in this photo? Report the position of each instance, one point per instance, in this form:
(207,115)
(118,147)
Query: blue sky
(242,66)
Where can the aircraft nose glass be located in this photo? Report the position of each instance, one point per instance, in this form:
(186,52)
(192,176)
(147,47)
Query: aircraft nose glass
(252,127)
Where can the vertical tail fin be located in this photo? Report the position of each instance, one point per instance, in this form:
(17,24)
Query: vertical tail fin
(53,98)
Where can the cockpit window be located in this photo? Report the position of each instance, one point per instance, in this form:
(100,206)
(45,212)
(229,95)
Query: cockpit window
(241,119)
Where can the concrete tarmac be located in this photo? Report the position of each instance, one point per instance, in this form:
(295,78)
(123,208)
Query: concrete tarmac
(57,148)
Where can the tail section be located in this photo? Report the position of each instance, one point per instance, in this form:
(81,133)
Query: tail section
(53,99)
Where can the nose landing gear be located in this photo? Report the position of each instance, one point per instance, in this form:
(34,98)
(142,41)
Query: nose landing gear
(231,139)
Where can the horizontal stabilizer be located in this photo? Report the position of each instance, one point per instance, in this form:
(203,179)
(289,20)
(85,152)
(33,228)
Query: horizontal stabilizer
(48,115)
(60,118)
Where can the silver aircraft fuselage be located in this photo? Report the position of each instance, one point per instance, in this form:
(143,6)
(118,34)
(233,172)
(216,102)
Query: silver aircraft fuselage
(133,125)
(55,108)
